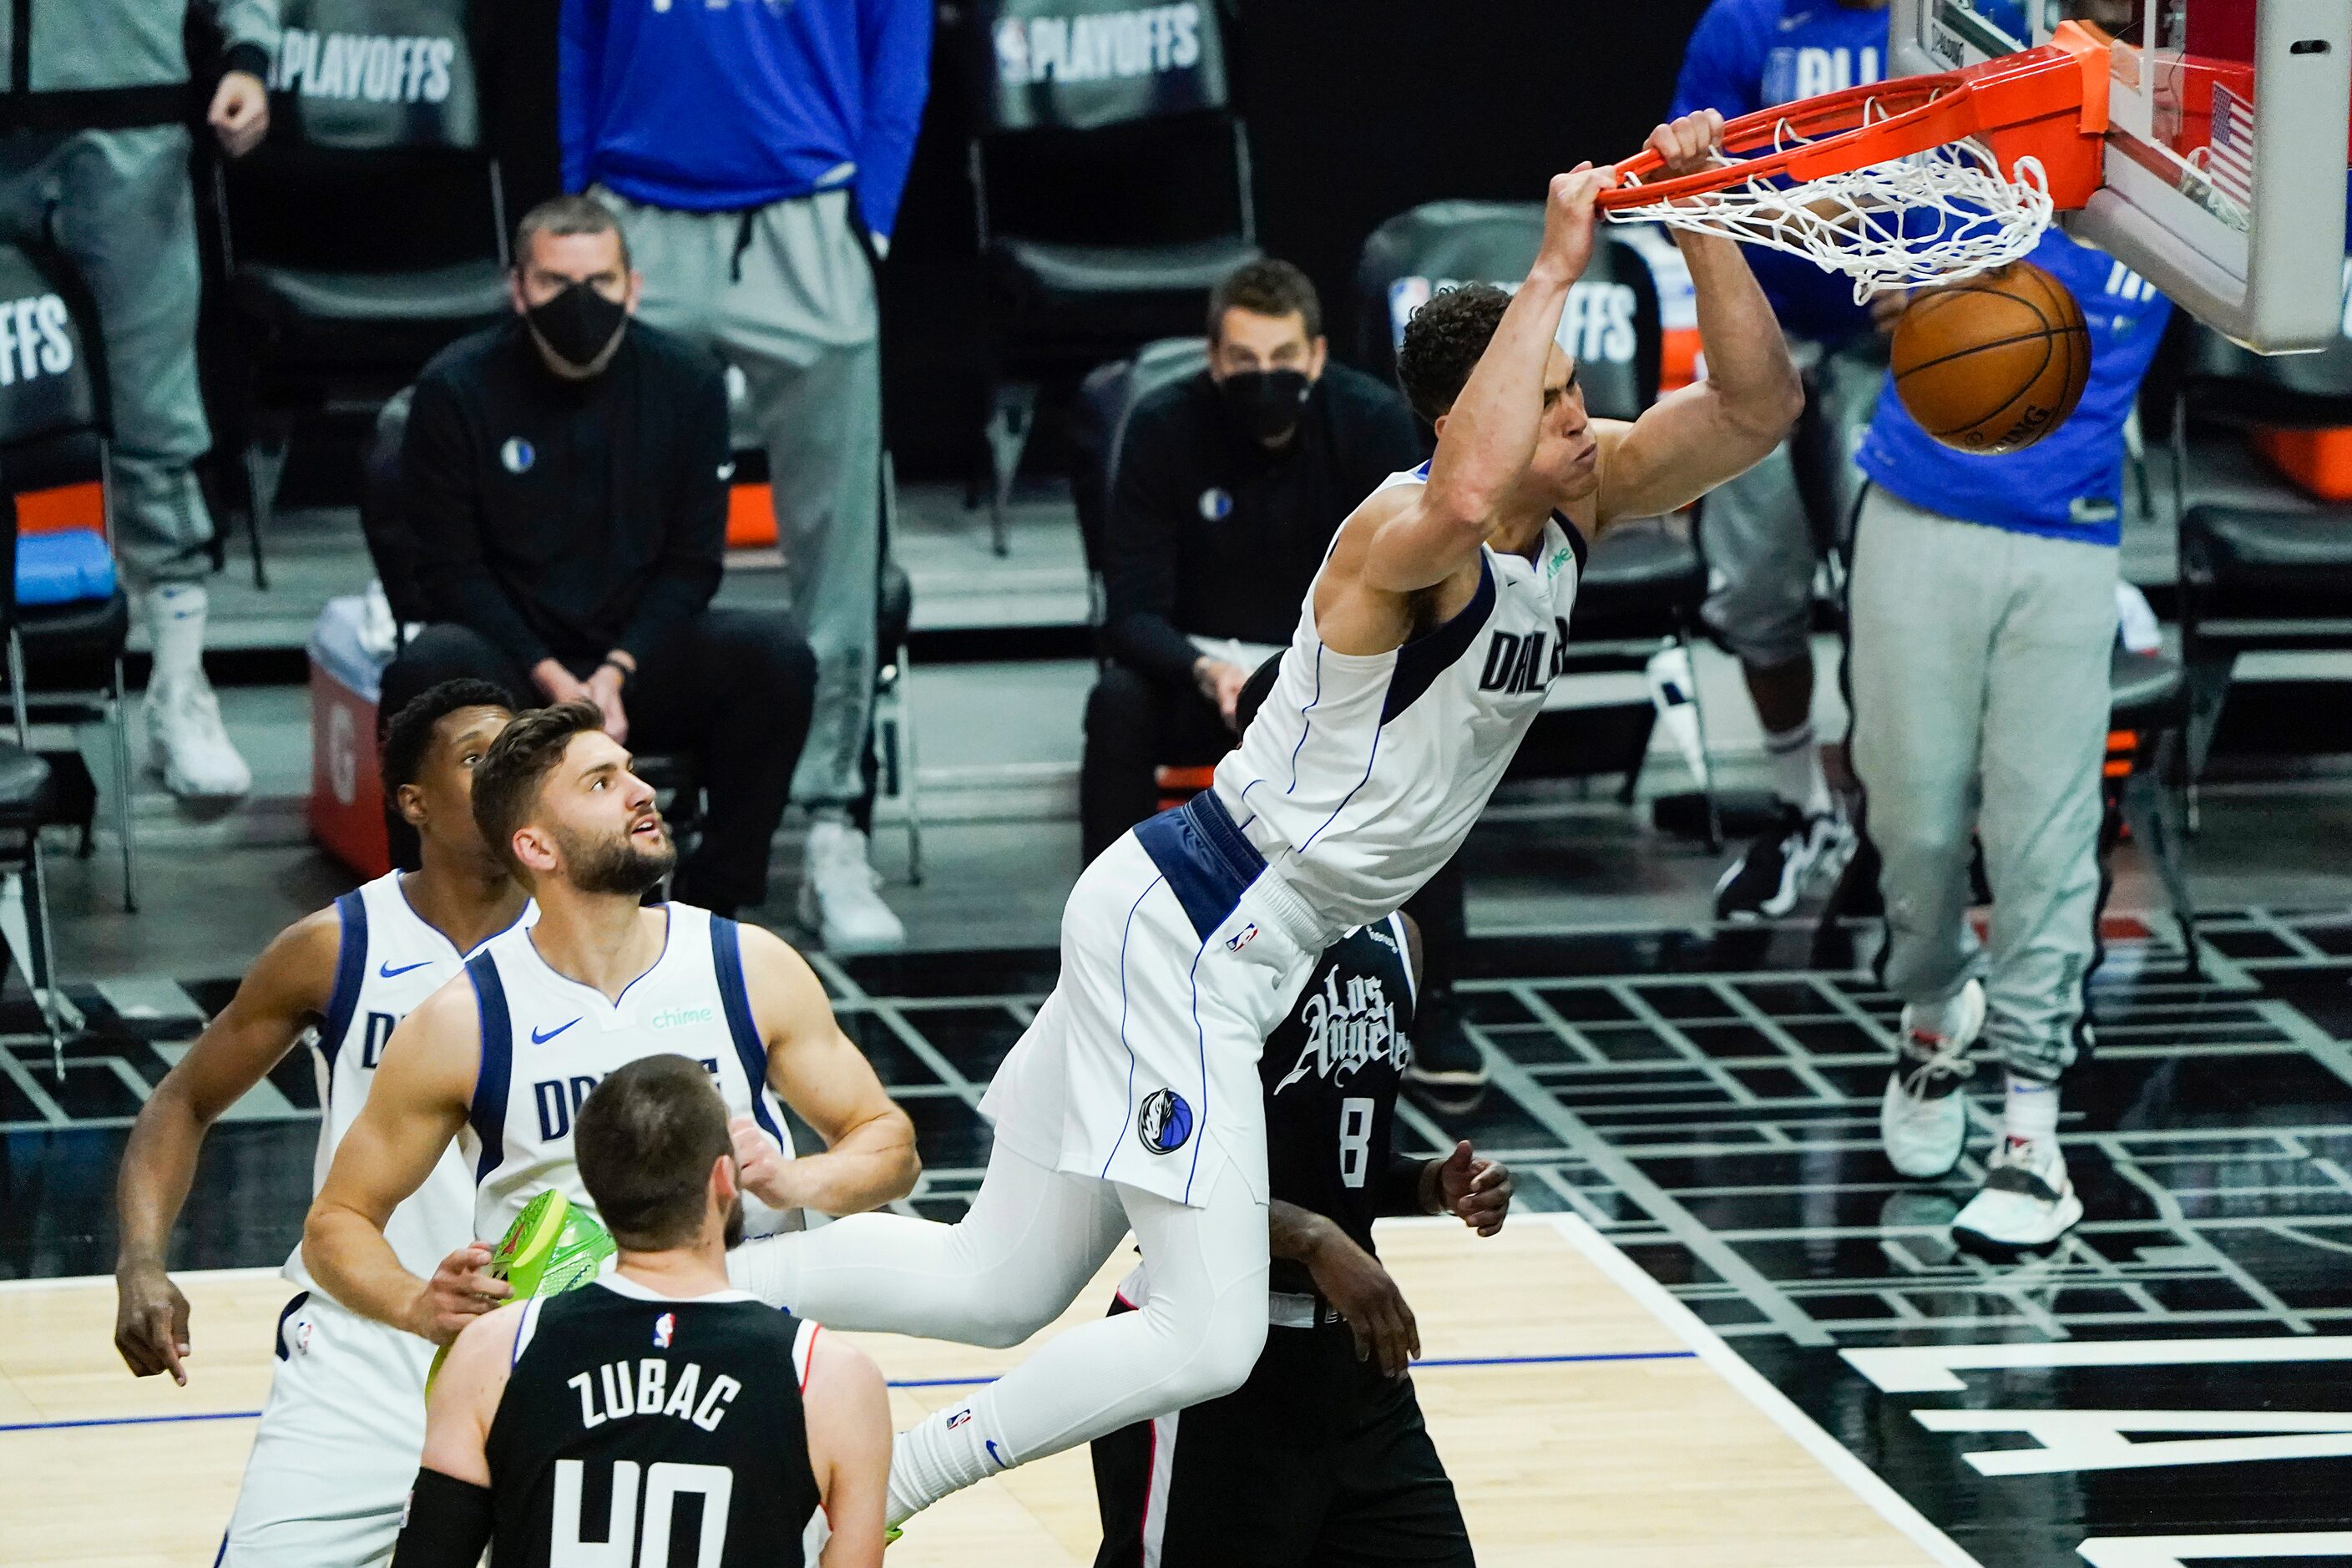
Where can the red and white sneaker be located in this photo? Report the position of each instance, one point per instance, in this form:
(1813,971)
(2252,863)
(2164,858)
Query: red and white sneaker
(2026,1200)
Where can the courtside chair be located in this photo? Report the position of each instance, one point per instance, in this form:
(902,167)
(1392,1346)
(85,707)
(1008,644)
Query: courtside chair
(367,231)
(1163,163)
(2144,773)
(2254,577)
(65,651)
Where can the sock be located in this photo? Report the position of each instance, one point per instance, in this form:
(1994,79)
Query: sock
(1797,776)
(175,625)
(949,1450)
(2031,1112)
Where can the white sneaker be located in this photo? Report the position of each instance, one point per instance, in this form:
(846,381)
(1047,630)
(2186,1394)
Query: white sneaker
(2026,1200)
(839,899)
(1923,1119)
(187,743)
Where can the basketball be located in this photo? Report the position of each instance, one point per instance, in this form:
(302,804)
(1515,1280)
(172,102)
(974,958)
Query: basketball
(1995,364)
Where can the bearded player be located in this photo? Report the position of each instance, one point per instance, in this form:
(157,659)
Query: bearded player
(337,1446)
(1425,650)
(499,1061)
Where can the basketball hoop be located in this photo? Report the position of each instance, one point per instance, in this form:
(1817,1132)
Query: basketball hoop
(1902,184)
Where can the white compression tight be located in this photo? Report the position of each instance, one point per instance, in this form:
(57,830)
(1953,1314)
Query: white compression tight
(1032,1240)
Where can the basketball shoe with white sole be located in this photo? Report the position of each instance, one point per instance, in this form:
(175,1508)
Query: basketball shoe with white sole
(1923,1118)
(2027,1201)
(1796,854)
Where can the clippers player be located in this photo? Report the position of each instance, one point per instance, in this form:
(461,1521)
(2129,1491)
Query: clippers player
(1423,652)
(1322,1456)
(500,1060)
(654,1415)
(333,1459)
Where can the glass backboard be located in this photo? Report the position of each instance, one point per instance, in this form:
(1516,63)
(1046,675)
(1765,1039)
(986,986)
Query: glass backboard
(2226,156)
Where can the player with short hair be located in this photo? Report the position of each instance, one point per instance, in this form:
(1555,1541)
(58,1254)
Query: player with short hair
(654,1414)
(331,1463)
(1323,1454)
(1423,653)
(499,1061)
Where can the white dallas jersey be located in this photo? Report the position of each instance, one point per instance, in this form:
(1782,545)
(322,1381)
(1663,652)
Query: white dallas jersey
(1363,773)
(547,1040)
(390,960)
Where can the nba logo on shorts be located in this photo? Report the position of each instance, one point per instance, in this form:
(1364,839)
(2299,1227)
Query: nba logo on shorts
(665,1329)
(1165,1121)
(1239,940)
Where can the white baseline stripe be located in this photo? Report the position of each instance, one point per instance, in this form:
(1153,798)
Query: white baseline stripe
(94,1281)
(1860,1479)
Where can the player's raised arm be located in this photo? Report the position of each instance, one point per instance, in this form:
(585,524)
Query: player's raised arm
(1715,429)
(1486,437)
(416,1106)
(869,1154)
(286,989)
(848,1413)
(450,1512)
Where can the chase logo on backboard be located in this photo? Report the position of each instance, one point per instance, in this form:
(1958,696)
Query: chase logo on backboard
(1165,1123)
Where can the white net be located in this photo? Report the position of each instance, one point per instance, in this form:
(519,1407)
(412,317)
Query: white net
(1933,217)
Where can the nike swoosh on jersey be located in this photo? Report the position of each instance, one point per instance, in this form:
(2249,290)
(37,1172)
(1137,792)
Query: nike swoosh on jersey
(388,973)
(539,1039)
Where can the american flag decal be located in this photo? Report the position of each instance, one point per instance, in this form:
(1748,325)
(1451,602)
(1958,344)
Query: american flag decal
(2229,157)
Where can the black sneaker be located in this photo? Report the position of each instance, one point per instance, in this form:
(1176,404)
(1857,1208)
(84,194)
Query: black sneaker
(1448,1071)
(1795,854)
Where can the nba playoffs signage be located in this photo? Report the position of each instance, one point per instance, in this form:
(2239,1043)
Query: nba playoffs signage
(47,383)
(1597,325)
(1079,64)
(362,74)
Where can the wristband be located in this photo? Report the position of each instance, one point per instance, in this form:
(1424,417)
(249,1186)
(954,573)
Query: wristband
(626,674)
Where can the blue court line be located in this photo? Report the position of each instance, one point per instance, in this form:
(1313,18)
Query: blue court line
(1431,1364)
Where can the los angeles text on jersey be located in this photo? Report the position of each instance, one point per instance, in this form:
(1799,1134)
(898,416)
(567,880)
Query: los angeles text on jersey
(1348,1029)
(558,1100)
(1516,664)
(620,1388)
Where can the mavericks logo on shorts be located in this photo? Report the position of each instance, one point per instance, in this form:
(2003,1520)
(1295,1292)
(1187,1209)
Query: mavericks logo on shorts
(1165,1123)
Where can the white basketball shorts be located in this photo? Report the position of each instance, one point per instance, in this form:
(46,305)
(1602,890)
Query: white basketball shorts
(336,1453)
(1179,955)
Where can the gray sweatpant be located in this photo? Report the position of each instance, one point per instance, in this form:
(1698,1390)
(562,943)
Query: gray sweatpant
(118,203)
(1979,674)
(1761,542)
(790,303)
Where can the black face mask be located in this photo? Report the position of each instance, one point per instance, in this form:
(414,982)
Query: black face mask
(1266,403)
(579,326)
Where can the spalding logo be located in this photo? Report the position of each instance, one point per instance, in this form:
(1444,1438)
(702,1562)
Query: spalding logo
(1165,1123)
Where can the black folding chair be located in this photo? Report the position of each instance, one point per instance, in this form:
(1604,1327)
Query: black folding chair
(1163,162)
(369,230)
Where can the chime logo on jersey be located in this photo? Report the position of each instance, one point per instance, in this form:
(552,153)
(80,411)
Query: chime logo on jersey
(1346,1030)
(1165,1123)
(1516,664)
(664,1330)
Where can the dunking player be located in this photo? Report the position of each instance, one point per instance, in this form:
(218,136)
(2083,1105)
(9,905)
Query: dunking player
(655,1415)
(336,1449)
(1322,1456)
(500,1060)
(1423,652)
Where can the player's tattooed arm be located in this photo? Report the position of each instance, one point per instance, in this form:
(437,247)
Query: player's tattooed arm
(1352,1280)
(1715,429)
(848,1414)
(286,989)
(869,1154)
(416,1105)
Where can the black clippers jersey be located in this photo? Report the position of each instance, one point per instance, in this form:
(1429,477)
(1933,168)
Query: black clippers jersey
(656,1433)
(1332,1071)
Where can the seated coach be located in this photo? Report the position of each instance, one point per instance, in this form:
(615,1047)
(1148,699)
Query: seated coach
(1230,486)
(565,476)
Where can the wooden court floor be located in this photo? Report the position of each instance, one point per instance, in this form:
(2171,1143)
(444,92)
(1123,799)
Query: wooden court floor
(1584,1416)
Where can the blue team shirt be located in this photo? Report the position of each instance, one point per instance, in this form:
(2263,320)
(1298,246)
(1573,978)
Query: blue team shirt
(1750,55)
(2069,485)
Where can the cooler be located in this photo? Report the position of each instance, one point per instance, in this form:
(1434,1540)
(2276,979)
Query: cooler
(346,779)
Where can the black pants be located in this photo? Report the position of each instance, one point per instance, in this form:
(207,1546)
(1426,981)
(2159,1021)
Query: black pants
(1136,725)
(730,689)
(1317,1461)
